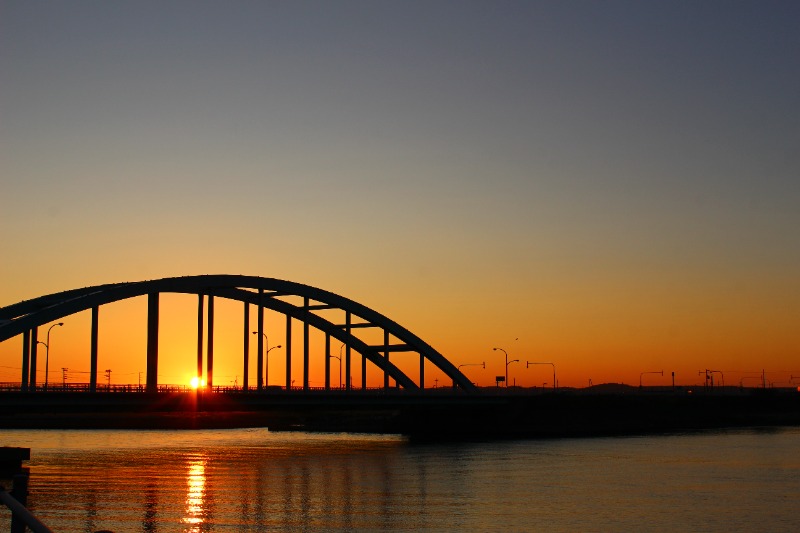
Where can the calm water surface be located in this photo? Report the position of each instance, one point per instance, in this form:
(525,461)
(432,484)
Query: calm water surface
(255,480)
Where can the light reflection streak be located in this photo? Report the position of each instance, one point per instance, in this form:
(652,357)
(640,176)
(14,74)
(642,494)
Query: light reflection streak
(195,495)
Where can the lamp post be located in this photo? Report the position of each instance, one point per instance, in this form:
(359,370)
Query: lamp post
(267,346)
(266,366)
(339,357)
(513,361)
(349,383)
(505,352)
(705,383)
(47,353)
(555,383)
(340,367)
(661,372)
(266,358)
(710,376)
(741,381)
(483,364)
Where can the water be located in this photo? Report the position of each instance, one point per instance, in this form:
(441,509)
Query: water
(255,480)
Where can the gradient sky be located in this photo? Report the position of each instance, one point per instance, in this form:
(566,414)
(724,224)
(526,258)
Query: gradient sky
(615,184)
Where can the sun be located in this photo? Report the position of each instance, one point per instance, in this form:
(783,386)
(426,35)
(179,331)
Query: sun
(195,382)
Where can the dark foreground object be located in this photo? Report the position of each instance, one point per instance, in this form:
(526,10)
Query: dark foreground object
(434,416)
(15,500)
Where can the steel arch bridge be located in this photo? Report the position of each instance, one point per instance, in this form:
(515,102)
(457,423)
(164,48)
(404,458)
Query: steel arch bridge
(24,318)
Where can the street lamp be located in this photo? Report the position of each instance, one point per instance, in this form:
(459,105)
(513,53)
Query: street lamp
(266,366)
(267,346)
(266,358)
(47,353)
(741,381)
(340,368)
(483,364)
(514,361)
(661,372)
(502,350)
(710,376)
(350,378)
(529,363)
(339,357)
(473,364)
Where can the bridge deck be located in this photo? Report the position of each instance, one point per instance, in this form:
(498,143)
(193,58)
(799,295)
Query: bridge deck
(444,415)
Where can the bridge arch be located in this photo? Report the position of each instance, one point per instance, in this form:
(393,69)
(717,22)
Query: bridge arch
(24,318)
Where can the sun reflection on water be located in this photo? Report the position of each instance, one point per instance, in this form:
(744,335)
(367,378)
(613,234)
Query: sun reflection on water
(195,494)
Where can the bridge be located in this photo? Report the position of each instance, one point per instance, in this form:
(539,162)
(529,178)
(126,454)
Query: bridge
(402,405)
(336,316)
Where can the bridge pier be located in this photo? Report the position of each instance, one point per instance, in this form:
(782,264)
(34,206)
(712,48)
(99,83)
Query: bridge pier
(347,380)
(305,348)
(210,349)
(152,342)
(26,357)
(421,371)
(363,372)
(246,345)
(34,351)
(327,361)
(93,349)
(200,337)
(386,355)
(260,342)
(288,352)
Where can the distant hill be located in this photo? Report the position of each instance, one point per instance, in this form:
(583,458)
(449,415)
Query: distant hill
(615,388)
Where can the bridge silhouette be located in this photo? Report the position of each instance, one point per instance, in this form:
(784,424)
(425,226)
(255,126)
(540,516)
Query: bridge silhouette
(403,405)
(297,302)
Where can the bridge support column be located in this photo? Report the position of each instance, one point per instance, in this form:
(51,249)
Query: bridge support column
(260,343)
(246,346)
(26,360)
(386,356)
(210,349)
(200,337)
(421,371)
(364,372)
(152,342)
(288,352)
(34,350)
(327,361)
(93,349)
(305,349)
(347,379)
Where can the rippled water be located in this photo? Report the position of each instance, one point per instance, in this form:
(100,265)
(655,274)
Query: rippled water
(255,480)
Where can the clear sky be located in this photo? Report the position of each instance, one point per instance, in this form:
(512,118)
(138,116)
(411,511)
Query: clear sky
(610,186)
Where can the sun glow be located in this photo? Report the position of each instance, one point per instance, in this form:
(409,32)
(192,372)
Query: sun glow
(195,497)
(196,382)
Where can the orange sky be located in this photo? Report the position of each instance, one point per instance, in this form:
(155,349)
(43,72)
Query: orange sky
(615,185)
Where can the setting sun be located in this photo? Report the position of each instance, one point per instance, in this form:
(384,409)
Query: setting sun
(196,382)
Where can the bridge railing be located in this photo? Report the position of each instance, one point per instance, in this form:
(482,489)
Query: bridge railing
(23,517)
(172,388)
(16,499)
